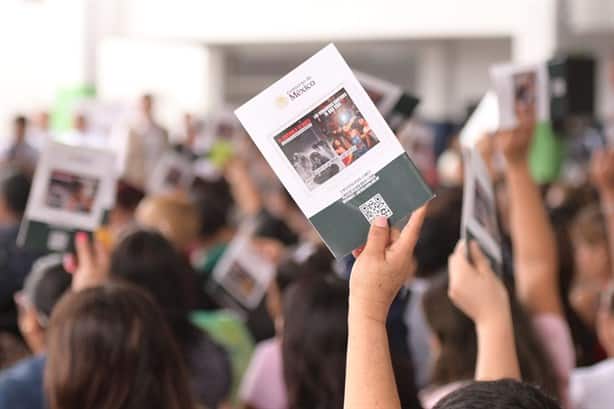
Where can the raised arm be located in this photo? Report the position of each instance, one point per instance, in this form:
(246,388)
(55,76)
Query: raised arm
(533,239)
(602,175)
(480,294)
(378,274)
(243,188)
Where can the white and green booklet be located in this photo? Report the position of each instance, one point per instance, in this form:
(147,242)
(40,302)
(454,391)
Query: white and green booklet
(73,187)
(333,151)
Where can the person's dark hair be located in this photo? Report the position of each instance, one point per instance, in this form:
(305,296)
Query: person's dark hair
(315,341)
(215,203)
(46,284)
(314,345)
(146,259)
(109,347)
(320,262)
(457,337)
(501,394)
(15,189)
(440,232)
(21,121)
(128,196)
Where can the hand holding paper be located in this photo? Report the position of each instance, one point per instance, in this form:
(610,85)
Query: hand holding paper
(467,281)
(478,293)
(515,143)
(91,268)
(384,266)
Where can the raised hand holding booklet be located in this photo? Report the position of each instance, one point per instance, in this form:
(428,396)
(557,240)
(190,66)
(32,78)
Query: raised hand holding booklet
(72,188)
(333,151)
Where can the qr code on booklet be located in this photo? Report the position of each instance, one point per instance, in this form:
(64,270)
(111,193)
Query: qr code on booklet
(376,206)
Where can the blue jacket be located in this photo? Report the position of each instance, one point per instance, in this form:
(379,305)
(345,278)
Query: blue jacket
(21,386)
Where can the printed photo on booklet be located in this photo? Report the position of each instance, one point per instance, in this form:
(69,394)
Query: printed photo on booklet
(72,188)
(173,171)
(479,214)
(521,90)
(333,151)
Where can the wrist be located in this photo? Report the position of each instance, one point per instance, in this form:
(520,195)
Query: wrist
(498,321)
(361,309)
(517,163)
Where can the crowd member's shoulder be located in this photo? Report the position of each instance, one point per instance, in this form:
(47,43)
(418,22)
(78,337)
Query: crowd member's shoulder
(21,386)
(590,387)
(206,357)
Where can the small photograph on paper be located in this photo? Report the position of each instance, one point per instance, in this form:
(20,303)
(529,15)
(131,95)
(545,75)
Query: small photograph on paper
(71,192)
(326,140)
(240,284)
(173,177)
(525,93)
(484,212)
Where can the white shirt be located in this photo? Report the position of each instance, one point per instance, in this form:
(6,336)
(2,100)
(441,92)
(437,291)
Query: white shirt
(593,387)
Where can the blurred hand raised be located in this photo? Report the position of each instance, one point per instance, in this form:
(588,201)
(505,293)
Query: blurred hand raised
(515,143)
(602,172)
(91,268)
(475,290)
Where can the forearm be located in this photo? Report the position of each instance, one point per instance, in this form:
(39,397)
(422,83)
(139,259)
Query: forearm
(369,381)
(497,357)
(534,243)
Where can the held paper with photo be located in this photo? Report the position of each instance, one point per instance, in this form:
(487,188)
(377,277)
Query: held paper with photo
(333,151)
(70,192)
(172,172)
(393,103)
(522,91)
(244,273)
(479,216)
(484,121)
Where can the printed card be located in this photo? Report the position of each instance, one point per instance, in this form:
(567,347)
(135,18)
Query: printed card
(522,91)
(72,188)
(333,151)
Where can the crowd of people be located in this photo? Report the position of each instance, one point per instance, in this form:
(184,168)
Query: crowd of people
(414,319)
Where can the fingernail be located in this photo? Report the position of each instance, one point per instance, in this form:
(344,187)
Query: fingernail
(380,221)
(81,237)
(69,263)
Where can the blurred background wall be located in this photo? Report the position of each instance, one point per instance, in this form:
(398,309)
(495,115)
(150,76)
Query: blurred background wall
(196,55)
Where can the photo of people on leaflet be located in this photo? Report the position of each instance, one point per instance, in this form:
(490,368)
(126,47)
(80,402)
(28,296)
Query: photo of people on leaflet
(326,140)
(71,192)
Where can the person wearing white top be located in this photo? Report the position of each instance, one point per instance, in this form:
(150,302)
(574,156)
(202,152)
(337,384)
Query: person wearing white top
(82,135)
(146,142)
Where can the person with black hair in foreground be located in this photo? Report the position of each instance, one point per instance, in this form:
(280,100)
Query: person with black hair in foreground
(146,259)
(380,271)
(88,368)
(502,394)
(22,384)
